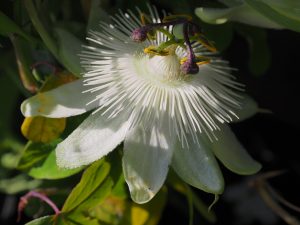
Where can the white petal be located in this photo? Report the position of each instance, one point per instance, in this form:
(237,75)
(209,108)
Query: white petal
(197,166)
(232,154)
(249,108)
(66,100)
(242,14)
(147,155)
(92,140)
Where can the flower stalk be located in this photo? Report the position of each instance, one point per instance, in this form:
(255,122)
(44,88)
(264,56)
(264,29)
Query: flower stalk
(35,194)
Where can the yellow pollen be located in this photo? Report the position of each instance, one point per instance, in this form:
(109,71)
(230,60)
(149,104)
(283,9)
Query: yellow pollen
(201,60)
(152,50)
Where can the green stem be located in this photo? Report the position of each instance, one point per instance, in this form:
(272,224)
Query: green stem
(288,218)
(189,196)
(202,208)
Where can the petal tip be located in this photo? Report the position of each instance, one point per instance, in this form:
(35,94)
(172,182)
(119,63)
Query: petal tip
(216,187)
(25,109)
(141,196)
(253,169)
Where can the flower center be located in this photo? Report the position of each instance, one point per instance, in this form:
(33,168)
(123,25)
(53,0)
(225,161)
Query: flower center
(165,67)
(190,33)
(159,69)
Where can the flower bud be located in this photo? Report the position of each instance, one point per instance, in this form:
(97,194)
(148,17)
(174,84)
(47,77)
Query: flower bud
(139,34)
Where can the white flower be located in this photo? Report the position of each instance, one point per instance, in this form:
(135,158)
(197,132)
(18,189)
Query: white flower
(163,116)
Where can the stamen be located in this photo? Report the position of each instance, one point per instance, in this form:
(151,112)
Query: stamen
(191,64)
(200,60)
(140,34)
(152,50)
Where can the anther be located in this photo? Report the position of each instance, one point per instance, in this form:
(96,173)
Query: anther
(140,34)
(189,67)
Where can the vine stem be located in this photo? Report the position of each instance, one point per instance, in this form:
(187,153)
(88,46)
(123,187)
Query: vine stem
(262,187)
(34,194)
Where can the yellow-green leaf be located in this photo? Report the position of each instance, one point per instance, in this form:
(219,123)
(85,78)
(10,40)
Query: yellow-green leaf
(120,211)
(91,180)
(42,129)
(46,220)
(139,215)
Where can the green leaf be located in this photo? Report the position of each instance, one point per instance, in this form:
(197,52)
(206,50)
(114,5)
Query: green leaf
(35,153)
(69,48)
(94,192)
(46,220)
(289,8)
(276,16)
(49,169)
(120,188)
(66,48)
(97,15)
(111,211)
(40,27)
(91,179)
(241,13)
(61,219)
(102,191)
(80,219)
(8,27)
